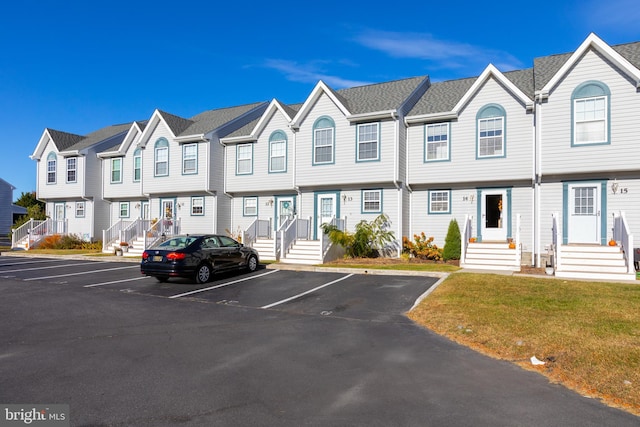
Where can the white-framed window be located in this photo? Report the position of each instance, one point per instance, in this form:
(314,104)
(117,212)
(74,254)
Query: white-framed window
(278,152)
(51,168)
(323,145)
(490,141)
(440,202)
(371,201)
(190,158)
(161,157)
(197,206)
(437,142)
(590,108)
(124,210)
(137,165)
(80,209)
(244,159)
(590,116)
(368,142)
(250,206)
(116,171)
(72,169)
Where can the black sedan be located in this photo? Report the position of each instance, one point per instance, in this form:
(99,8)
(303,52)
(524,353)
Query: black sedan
(197,257)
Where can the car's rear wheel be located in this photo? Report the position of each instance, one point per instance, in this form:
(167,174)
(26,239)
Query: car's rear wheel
(252,263)
(162,279)
(203,274)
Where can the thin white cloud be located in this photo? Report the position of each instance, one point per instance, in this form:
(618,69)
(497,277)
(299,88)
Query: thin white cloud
(439,53)
(310,73)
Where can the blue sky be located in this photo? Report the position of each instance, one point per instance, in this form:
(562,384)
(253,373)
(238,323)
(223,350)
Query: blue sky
(79,66)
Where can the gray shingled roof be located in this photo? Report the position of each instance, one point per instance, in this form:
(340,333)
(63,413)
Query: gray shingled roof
(523,80)
(213,119)
(177,124)
(442,96)
(246,130)
(99,136)
(64,140)
(378,97)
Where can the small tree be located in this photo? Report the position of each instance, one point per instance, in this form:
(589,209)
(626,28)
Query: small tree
(452,242)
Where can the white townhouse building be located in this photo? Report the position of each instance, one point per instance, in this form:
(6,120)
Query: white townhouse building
(69,181)
(537,165)
(167,173)
(338,157)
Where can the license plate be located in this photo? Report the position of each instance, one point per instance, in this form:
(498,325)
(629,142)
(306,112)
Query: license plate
(157,258)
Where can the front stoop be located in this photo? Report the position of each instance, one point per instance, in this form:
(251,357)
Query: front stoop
(491,256)
(593,263)
(303,252)
(265,248)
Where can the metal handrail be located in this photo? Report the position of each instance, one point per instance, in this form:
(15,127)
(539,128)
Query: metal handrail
(623,236)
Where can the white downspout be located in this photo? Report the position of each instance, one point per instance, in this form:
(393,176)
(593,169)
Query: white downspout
(407,170)
(396,172)
(539,179)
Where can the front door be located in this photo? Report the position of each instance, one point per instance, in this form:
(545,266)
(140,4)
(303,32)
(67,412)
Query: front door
(167,211)
(584,213)
(58,217)
(494,215)
(144,210)
(326,210)
(284,210)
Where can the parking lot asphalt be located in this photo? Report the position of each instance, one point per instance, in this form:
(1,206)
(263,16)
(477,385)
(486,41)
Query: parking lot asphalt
(273,347)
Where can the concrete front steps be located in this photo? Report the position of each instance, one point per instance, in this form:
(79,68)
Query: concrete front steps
(135,248)
(594,263)
(491,256)
(303,252)
(265,248)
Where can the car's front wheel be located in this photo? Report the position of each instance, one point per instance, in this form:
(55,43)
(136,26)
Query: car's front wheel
(203,274)
(252,263)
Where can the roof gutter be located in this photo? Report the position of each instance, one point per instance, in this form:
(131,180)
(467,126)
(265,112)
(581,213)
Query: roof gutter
(433,117)
(378,115)
(191,138)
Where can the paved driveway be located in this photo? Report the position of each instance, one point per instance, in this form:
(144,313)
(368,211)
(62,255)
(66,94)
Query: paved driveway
(269,348)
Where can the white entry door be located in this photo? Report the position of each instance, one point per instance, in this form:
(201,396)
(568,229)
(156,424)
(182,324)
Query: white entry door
(326,208)
(58,216)
(167,209)
(284,210)
(494,215)
(144,210)
(584,213)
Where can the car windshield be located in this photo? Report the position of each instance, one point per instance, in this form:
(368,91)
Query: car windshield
(176,243)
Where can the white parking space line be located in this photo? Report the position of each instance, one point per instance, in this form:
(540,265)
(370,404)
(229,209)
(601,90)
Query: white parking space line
(81,273)
(115,281)
(222,285)
(52,266)
(307,292)
(15,261)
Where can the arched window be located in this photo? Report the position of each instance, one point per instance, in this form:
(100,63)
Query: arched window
(137,165)
(278,152)
(324,130)
(161,157)
(590,112)
(52,160)
(491,124)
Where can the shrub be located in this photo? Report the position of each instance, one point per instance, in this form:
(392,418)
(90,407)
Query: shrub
(370,239)
(421,247)
(451,248)
(67,241)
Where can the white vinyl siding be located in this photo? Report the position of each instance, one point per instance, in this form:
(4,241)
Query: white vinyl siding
(116,171)
(72,169)
(244,161)
(437,142)
(368,141)
(189,159)
(371,201)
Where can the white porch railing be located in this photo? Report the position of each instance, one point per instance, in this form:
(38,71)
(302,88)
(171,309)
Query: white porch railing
(467,233)
(32,232)
(623,236)
(258,228)
(556,239)
(113,234)
(517,241)
(161,229)
(22,234)
(325,243)
(286,236)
